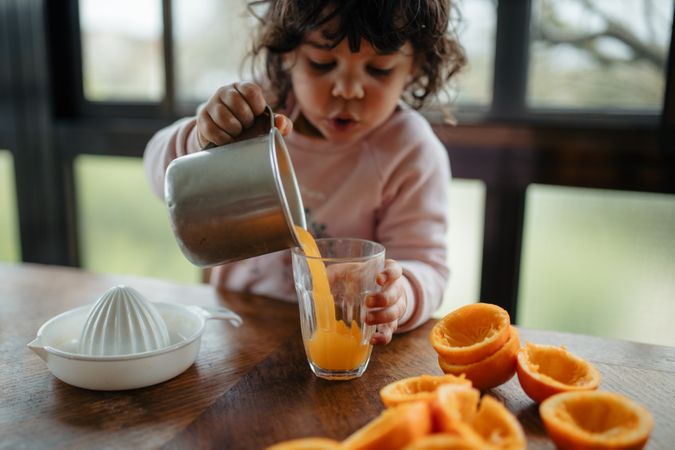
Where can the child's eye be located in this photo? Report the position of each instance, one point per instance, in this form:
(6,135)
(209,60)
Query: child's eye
(321,67)
(377,72)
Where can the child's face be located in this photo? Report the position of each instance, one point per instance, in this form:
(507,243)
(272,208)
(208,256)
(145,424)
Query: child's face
(345,95)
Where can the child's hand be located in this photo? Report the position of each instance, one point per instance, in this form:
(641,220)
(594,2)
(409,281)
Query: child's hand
(230,111)
(391,303)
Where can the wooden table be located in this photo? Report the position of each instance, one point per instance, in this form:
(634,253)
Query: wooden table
(251,386)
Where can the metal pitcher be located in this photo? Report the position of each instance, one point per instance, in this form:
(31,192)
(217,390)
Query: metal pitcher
(235,201)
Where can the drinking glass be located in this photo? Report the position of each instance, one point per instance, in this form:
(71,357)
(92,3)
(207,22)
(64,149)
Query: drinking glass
(332,290)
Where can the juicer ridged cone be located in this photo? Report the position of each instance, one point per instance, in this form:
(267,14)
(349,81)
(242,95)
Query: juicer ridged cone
(123,322)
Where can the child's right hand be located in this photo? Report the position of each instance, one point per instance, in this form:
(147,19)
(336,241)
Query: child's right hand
(230,111)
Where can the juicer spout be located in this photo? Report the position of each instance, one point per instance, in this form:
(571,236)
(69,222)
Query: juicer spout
(38,349)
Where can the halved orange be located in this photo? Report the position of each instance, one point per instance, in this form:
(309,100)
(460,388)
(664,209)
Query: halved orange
(453,406)
(545,370)
(309,443)
(457,412)
(422,387)
(497,426)
(492,371)
(596,419)
(393,429)
(470,333)
(446,441)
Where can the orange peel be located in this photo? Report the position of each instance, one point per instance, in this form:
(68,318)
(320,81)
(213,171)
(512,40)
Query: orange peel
(393,429)
(492,371)
(470,333)
(498,427)
(453,406)
(546,370)
(447,441)
(596,419)
(417,388)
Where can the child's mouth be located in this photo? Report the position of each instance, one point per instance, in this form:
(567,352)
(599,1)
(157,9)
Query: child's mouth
(342,123)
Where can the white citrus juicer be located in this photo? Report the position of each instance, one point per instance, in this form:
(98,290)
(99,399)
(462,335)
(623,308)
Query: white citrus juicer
(124,341)
(123,322)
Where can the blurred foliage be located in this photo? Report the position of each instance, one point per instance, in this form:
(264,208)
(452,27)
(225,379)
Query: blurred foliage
(599,262)
(123,227)
(599,53)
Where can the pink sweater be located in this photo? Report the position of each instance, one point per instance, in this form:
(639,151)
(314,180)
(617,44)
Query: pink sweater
(391,187)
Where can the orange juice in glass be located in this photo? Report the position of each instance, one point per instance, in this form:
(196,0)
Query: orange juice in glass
(333,278)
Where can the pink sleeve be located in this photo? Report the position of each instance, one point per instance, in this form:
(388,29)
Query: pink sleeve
(167,144)
(413,225)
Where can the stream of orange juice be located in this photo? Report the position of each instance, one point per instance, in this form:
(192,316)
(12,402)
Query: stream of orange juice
(333,346)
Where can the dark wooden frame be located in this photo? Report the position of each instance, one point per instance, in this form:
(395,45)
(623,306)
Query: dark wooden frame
(46,122)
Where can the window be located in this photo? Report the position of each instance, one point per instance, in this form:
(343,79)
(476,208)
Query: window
(599,262)
(600,54)
(465,244)
(210,44)
(124,228)
(9,235)
(477,36)
(122,50)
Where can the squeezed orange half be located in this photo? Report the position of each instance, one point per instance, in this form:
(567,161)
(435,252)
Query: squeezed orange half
(333,345)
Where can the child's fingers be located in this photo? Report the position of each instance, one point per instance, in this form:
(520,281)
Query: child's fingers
(235,105)
(230,112)
(386,314)
(284,124)
(381,299)
(392,271)
(201,140)
(383,334)
(221,115)
(254,101)
(392,293)
(342,272)
(209,131)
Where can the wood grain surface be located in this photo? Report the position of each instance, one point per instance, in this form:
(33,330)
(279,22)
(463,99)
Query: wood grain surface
(251,386)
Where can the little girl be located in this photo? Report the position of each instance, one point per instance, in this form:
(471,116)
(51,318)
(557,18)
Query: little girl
(368,165)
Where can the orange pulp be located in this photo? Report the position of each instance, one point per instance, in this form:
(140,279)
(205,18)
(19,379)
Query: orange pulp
(333,345)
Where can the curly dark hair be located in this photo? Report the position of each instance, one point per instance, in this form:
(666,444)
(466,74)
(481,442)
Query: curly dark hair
(386,24)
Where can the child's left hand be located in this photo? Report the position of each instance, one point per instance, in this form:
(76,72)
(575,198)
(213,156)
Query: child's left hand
(390,303)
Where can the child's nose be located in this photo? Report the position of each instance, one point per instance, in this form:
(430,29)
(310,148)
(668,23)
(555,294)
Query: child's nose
(348,87)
